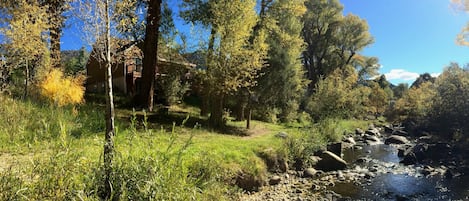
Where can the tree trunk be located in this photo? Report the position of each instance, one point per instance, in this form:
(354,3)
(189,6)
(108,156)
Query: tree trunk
(109,142)
(248,121)
(204,108)
(26,80)
(216,116)
(205,95)
(150,56)
(240,107)
(55,33)
(55,9)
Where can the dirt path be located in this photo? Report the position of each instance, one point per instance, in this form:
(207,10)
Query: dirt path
(8,160)
(256,132)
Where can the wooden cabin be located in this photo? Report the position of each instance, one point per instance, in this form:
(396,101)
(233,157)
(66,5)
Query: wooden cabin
(127,70)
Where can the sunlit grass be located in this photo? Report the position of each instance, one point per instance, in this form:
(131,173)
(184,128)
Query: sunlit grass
(43,144)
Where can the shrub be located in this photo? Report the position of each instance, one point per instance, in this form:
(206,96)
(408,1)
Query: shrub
(62,90)
(450,106)
(335,96)
(415,104)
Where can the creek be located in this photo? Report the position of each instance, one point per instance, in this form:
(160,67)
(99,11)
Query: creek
(394,181)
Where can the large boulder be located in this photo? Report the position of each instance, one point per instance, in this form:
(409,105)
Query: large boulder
(373,131)
(396,139)
(249,182)
(330,162)
(359,131)
(275,162)
(414,155)
(309,172)
(371,140)
(388,129)
(350,140)
(335,148)
(275,180)
(409,159)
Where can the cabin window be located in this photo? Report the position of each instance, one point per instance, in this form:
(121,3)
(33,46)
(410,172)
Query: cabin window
(138,65)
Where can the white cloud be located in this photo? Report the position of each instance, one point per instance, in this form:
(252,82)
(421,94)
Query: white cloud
(401,74)
(435,74)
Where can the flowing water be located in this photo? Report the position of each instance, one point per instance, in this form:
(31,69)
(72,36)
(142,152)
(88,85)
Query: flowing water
(394,181)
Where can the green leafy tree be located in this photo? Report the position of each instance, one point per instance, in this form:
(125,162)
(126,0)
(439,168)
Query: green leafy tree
(426,77)
(332,39)
(282,83)
(336,96)
(415,105)
(26,36)
(367,67)
(400,90)
(235,52)
(76,64)
(450,106)
(378,99)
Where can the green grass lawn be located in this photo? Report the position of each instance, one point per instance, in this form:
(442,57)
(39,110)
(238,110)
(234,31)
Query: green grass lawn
(56,153)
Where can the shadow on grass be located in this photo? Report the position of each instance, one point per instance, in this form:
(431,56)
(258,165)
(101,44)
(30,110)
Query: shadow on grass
(165,120)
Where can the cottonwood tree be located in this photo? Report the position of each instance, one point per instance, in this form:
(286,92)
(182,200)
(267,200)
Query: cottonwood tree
(26,38)
(463,36)
(332,39)
(234,56)
(366,67)
(282,83)
(56,20)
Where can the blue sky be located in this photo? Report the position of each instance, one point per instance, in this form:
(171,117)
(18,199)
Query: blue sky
(412,36)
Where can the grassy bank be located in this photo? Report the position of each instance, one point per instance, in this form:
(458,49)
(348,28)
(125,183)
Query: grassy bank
(55,153)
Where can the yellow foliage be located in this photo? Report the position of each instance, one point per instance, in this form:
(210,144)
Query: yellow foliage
(62,90)
(416,103)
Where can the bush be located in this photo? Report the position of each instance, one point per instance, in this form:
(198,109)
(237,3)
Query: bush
(441,107)
(301,147)
(450,106)
(414,105)
(62,90)
(335,96)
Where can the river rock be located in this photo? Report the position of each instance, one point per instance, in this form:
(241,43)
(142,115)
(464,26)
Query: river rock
(426,138)
(400,132)
(281,135)
(275,180)
(359,131)
(409,159)
(401,151)
(371,139)
(309,172)
(373,132)
(335,148)
(396,139)
(350,140)
(249,182)
(388,129)
(330,162)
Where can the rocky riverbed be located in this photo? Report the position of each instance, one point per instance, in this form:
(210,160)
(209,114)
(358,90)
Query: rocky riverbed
(377,164)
